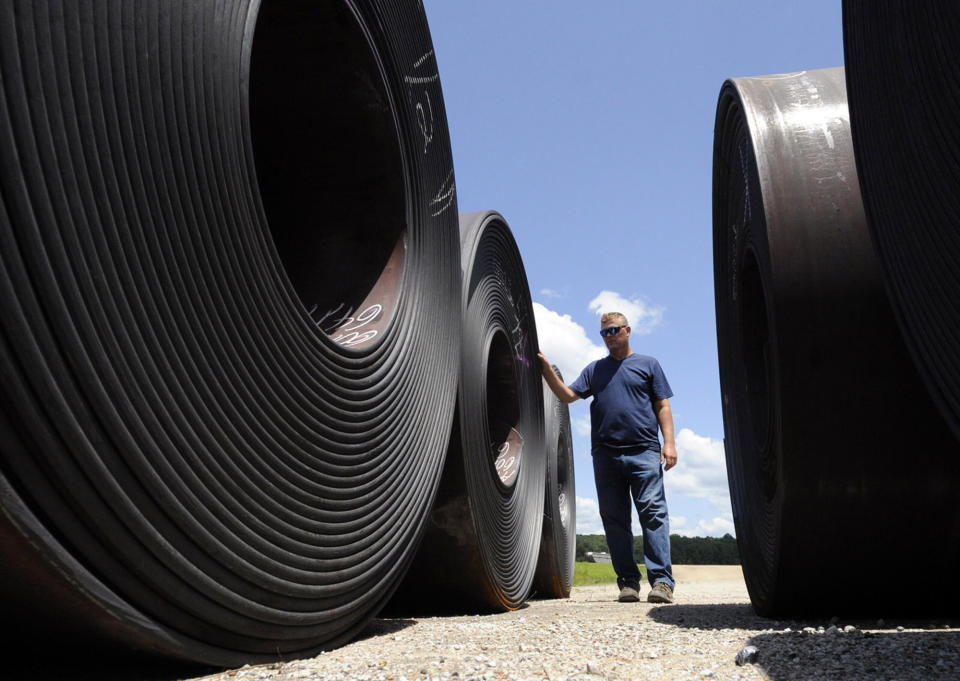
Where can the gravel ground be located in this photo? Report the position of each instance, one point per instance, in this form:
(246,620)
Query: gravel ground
(587,637)
(590,637)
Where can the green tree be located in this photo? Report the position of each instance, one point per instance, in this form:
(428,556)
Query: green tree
(590,542)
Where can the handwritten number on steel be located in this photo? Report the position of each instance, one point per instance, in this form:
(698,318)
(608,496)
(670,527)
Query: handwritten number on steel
(345,325)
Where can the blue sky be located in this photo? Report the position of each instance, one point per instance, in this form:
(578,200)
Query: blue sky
(589,126)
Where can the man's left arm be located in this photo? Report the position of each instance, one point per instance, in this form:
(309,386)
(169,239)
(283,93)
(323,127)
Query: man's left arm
(668,453)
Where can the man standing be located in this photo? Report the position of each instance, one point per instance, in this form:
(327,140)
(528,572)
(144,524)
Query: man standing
(630,400)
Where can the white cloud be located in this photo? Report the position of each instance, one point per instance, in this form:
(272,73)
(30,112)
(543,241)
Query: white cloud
(642,316)
(581,425)
(564,342)
(701,470)
(715,527)
(550,293)
(588,517)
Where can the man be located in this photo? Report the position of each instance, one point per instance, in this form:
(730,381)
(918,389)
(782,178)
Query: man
(630,400)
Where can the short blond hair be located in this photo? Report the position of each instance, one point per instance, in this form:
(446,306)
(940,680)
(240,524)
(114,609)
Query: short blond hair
(618,317)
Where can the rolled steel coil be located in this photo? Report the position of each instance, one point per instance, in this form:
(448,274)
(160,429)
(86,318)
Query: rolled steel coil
(480,549)
(227,279)
(835,456)
(558,542)
(904,88)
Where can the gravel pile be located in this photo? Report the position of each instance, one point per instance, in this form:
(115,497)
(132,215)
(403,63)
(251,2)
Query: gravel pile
(591,636)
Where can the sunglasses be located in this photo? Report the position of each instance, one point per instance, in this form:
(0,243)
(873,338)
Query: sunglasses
(612,331)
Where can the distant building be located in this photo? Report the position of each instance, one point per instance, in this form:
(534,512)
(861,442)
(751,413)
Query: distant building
(598,557)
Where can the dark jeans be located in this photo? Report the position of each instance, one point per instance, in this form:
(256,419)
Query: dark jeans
(623,475)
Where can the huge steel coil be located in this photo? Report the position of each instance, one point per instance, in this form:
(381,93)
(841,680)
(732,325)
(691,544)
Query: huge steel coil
(836,459)
(903,78)
(558,543)
(481,545)
(228,247)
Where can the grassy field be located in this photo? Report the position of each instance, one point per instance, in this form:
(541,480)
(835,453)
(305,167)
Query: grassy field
(597,573)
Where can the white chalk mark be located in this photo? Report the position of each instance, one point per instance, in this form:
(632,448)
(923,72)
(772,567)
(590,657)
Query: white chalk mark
(828,135)
(425,121)
(445,196)
(417,64)
(421,80)
(338,321)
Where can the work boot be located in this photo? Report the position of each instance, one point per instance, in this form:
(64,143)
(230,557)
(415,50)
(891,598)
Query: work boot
(630,593)
(660,593)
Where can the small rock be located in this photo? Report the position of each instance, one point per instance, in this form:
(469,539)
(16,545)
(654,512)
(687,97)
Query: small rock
(748,655)
(899,628)
(593,669)
(809,630)
(832,630)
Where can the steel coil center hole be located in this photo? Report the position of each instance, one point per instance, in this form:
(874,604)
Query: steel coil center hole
(503,410)
(755,342)
(329,165)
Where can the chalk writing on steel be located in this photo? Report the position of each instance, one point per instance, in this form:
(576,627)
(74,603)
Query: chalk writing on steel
(419,83)
(507,457)
(340,322)
(335,321)
(737,228)
(444,197)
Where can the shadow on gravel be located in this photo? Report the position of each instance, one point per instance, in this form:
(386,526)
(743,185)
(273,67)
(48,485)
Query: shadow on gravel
(873,651)
(856,656)
(57,660)
(719,616)
(742,616)
(383,626)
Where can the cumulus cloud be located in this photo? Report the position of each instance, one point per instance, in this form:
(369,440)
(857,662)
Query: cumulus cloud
(642,316)
(564,342)
(701,470)
(581,425)
(715,527)
(588,517)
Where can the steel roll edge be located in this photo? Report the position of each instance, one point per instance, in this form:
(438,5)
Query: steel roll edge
(481,545)
(558,543)
(228,247)
(834,454)
(904,90)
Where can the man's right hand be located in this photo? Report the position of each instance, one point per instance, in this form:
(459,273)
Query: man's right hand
(563,393)
(545,367)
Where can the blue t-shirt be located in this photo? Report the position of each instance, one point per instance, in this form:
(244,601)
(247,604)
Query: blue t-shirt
(621,413)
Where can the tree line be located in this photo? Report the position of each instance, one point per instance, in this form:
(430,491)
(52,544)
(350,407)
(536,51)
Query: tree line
(683,550)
